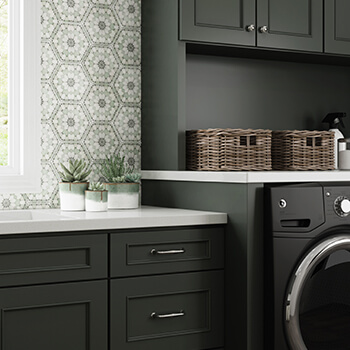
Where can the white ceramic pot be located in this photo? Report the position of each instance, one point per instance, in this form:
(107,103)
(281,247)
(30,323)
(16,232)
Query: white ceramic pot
(96,200)
(72,195)
(123,195)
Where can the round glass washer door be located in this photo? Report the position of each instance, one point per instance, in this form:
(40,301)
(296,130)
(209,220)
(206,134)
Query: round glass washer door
(317,305)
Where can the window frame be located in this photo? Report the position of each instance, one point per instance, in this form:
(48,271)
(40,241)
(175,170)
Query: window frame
(23,174)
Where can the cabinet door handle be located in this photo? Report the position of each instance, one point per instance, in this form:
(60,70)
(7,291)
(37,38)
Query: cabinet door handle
(250,28)
(264,29)
(171,315)
(164,252)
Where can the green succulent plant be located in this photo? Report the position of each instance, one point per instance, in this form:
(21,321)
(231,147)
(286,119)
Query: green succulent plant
(96,186)
(133,177)
(115,169)
(76,171)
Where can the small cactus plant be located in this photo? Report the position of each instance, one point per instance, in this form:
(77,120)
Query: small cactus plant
(76,171)
(96,186)
(115,170)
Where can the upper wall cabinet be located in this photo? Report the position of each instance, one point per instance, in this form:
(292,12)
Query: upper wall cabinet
(219,21)
(282,24)
(337,26)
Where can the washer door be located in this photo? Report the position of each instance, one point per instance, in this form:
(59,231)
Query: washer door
(317,306)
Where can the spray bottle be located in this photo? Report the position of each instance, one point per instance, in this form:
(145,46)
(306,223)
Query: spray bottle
(335,120)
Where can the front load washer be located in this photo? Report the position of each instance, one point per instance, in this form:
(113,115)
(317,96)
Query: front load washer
(307,267)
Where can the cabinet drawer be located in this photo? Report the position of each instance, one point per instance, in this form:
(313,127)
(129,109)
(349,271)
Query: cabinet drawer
(35,260)
(180,311)
(170,250)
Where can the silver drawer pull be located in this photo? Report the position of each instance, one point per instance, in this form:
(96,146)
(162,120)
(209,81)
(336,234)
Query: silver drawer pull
(174,314)
(164,252)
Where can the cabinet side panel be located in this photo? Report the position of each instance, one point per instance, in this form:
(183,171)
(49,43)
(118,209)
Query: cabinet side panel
(163,77)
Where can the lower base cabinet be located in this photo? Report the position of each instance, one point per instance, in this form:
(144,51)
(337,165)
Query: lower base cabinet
(179,311)
(67,316)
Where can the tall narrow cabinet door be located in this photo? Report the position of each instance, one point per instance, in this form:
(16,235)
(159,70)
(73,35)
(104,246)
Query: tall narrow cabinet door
(67,316)
(219,21)
(290,24)
(337,26)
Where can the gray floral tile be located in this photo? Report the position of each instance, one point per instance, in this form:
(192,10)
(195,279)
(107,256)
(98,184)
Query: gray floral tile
(69,151)
(103,2)
(129,12)
(48,185)
(128,85)
(129,120)
(101,141)
(132,154)
(12,201)
(91,90)
(49,20)
(48,61)
(101,64)
(71,10)
(49,101)
(128,47)
(96,172)
(71,82)
(70,42)
(102,103)
(102,25)
(49,141)
(70,122)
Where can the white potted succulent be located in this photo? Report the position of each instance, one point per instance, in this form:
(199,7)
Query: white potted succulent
(73,185)
(96,197)
(122,184)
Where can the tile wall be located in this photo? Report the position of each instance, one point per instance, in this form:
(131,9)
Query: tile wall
(91,90)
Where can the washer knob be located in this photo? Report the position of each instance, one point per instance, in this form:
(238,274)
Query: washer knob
(342,206)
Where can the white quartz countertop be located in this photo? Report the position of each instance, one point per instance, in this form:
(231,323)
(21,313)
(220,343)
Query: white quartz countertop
(248,176)
(55,220)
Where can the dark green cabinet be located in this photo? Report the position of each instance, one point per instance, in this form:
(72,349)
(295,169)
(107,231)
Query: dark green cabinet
(70,316)
(71,291)
(176,311)
(282,24)
(337,26)
(220,21)
(289,24)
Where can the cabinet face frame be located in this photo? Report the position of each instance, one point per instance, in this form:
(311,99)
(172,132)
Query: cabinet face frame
(193,30)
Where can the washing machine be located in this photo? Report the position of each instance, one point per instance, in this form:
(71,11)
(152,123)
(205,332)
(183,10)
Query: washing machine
(307,266)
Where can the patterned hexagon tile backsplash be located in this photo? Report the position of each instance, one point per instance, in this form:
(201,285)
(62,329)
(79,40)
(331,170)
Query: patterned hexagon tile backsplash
(91,90)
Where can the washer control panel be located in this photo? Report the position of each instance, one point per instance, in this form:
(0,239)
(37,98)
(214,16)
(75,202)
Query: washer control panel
(342,206)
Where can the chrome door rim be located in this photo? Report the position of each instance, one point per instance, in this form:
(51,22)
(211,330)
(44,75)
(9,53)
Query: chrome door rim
(297,283)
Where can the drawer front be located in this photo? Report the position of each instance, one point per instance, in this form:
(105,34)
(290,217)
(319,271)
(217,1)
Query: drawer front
(180,311)
(170,250)
(35,260)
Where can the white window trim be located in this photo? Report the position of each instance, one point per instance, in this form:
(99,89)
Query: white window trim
(23,174)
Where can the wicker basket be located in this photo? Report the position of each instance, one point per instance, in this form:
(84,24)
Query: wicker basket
(228,149)
(302,150)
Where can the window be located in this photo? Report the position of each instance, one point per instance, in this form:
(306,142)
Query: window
(20,96)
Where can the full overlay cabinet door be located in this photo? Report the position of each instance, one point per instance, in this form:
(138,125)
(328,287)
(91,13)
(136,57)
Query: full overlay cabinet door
(172,312)
(219,21)
(337,26)
(290,24)
(70,316)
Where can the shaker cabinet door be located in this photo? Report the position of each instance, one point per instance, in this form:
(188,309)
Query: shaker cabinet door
(290,24)
(337,26)
(71,316)
(219,21)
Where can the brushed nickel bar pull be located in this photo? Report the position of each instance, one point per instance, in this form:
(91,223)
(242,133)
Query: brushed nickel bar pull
(171,315)
(164,252)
